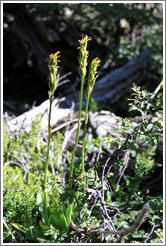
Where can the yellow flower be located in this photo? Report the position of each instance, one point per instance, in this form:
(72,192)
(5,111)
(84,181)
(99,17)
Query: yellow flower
(53,69)
(92,77)
(83,55)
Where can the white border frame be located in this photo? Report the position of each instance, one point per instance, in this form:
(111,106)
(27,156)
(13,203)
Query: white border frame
(164,121)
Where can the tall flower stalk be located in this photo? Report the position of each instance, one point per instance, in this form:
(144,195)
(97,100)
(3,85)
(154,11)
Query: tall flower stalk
(83,56)
(91,82)
(53,70)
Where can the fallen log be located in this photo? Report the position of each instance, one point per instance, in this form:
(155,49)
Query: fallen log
(117,83)
(23,123)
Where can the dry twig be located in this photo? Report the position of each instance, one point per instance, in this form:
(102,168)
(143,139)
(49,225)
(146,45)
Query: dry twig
(122,233)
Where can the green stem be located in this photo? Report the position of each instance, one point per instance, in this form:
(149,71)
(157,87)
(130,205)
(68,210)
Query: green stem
(46,208)
(78,131)
(84,135)
(48,145)
(45,201)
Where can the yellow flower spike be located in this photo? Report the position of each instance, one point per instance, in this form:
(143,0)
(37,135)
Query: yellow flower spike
(83,55)
(92,73)
(91,81)
(53,69)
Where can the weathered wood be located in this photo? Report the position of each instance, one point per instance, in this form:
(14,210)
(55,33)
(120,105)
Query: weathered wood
(24,121)
(117,83)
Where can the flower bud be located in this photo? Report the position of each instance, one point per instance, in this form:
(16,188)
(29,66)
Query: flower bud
(83,55)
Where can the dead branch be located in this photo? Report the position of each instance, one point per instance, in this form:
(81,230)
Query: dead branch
(122,233)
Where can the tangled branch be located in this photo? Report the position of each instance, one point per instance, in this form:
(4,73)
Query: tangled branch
(122,233)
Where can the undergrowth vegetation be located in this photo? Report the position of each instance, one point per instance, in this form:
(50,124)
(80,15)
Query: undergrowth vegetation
(51,199)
